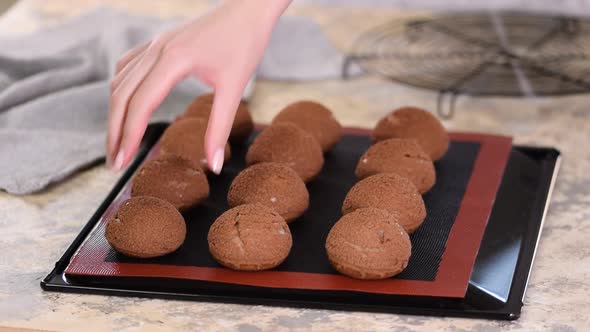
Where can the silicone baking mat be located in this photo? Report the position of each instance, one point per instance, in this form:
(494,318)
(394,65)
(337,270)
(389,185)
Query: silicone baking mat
(443,249)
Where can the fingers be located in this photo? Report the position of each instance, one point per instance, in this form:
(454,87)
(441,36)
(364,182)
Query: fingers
(228,94)
(128,56)
(149,94)
(130,71)
(116,116)
(138,50)
(121,96)
(125,72)
(119,104)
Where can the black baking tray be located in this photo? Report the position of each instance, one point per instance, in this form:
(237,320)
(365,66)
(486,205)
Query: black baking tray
(496,287)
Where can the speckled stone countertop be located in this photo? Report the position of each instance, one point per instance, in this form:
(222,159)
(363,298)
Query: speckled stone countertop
(36,229)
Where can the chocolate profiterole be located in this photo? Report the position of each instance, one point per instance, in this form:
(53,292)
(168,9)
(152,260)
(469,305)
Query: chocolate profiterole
(400,156)
(368,244)
(250,237)
(173,179)
(287,144)
(271,184)
(391,192)
(414,123)
(243,124)
(186,138)
(146,227)
(314,118)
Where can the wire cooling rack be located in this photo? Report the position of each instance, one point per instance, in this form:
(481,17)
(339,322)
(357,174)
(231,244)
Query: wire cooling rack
(480,55)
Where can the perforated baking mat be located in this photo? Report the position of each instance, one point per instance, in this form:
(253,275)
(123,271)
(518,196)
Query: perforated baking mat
(443,249)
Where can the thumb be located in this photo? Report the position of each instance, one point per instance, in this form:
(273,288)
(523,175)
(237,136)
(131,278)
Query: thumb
(228,95)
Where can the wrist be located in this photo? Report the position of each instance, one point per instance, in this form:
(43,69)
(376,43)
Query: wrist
(274,8)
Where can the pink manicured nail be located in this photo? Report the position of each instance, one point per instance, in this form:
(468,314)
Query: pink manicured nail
(217,161)
(119,161)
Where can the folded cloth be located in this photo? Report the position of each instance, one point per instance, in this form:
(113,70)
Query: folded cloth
(54,88)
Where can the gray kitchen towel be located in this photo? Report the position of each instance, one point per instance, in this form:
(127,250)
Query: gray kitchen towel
(54,88)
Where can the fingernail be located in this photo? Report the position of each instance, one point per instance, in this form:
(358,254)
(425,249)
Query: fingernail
(217,161)
(119,161)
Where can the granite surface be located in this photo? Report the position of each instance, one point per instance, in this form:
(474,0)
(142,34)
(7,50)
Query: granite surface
(36,229)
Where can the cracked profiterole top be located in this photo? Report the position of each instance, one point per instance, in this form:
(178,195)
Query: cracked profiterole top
(392,192)
(287,144)
(270,184)
(146,227)
(368,244)
(315,119)
(250,237)
(414,123)
(173,179)
(400,156)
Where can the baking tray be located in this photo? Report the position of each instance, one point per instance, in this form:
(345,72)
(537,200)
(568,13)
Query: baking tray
(491,243)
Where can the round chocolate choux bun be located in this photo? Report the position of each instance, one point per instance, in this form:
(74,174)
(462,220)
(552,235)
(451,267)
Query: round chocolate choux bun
(200,107)
(414,123)
(242,126)
(173,179)
(314,118)
(391,192)
(368,244)
(274,185)
(288,144)
(250,237)
(400,156)
(146,227)
(186,138)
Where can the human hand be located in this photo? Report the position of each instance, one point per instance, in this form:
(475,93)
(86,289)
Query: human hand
(221,48)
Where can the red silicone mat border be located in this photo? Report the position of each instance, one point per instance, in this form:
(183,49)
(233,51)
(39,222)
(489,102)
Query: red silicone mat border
(452,277)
